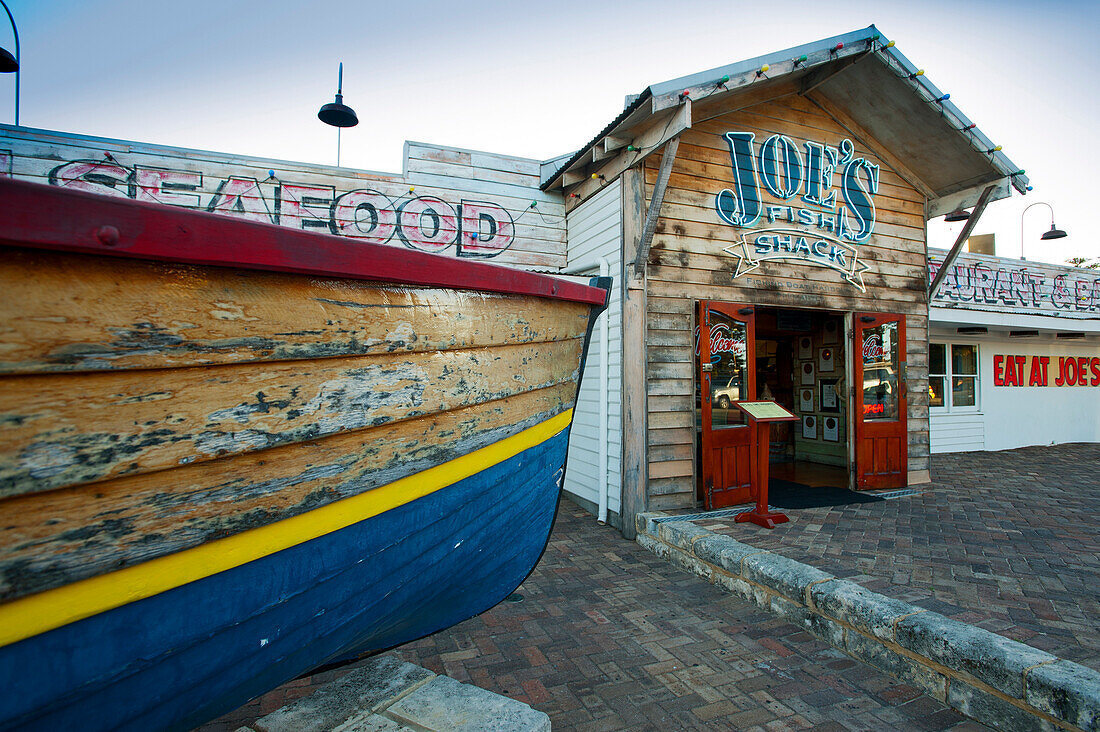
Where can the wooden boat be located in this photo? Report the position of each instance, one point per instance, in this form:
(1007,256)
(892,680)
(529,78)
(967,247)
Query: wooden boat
(231,452)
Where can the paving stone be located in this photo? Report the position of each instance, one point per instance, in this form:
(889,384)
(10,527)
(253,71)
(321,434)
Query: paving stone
(622,674)
(1021,521)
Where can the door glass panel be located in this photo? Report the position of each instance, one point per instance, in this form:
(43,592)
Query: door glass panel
(880,372)
(729,375)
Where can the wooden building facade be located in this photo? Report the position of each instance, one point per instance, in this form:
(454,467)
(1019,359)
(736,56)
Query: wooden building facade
(773,246)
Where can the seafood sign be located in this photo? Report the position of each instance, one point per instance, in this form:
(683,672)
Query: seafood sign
(446,201)
(833,213)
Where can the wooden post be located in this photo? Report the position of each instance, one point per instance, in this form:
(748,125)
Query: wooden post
(969,227)
(635,468)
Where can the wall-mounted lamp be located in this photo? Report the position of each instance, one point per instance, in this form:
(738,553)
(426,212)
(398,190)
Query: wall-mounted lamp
(1054,233)
(10,64)
(337,114)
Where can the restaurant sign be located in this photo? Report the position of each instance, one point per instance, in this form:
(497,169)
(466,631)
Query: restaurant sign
(817,203)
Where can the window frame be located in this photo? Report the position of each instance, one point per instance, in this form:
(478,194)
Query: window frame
(948,406)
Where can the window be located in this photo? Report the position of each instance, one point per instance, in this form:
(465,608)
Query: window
(953,376)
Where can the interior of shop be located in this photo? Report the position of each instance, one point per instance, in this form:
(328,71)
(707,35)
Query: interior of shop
(800,365)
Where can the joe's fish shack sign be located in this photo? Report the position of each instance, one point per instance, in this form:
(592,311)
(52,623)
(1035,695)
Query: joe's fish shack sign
(453,202)
(829,191)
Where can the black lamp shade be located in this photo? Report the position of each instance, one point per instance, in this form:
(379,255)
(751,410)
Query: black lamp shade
(8,64)
(1053,233)
(338,114)
(958,214)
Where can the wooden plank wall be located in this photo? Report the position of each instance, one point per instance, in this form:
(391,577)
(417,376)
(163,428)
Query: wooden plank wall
(474,187)
(686,263)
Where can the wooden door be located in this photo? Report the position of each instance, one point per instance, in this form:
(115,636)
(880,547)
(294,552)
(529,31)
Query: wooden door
(881,440)
(726,349)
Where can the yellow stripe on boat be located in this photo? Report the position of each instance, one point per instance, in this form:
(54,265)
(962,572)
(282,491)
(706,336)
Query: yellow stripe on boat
(35,614)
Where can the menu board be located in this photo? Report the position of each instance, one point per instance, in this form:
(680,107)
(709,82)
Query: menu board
(765,411)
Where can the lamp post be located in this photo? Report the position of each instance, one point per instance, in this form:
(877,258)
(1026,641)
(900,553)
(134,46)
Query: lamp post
(337,114)
(9,63)
(1054,233)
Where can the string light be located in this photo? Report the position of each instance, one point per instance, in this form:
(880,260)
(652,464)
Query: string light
(685,94)
(919,72)
(800,60)
(992,150)
(1018,172)
(1029,188)
(942,99)
(836,48)
(412,189)
(889,44)
(724,80)
(970,126)
(534,204)
(597,176)
(762,70)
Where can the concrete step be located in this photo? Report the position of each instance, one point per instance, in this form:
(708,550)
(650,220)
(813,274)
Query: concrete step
(389,695)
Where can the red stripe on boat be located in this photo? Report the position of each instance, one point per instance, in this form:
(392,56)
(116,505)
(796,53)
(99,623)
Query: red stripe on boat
(47,217)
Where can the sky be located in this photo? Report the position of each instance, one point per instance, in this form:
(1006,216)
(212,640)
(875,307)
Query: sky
(539,80)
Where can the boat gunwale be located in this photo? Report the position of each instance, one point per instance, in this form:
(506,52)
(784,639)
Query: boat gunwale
(47,217)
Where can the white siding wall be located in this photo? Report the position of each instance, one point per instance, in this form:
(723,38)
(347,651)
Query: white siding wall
(1018,416)
(594,230)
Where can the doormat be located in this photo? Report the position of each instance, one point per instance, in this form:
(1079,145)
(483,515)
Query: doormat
(785,494)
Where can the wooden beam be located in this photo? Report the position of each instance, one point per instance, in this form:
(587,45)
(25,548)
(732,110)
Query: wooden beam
(823,73)
(963,236)
(668,159)
(661,129)
(966,197)
(611,143)
(635,458)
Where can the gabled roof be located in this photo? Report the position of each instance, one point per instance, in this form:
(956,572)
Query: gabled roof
(866,83)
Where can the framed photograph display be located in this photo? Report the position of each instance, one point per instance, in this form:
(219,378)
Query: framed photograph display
(831,429)
(809,427)
(809,375)
(832,332)
(825,359)
(805,347)
(806,399)
(830,400)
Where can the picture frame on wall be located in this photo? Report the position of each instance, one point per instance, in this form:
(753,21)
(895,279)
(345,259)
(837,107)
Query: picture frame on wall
(809,374)
(809,427)
(805,347)
(830,427)
(806,399)
(831,332)
(826,358)
(830,400)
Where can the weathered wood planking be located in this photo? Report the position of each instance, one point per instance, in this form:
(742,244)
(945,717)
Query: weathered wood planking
(78,532)
(63,429)
(69,312)
(308,196)
(687,263)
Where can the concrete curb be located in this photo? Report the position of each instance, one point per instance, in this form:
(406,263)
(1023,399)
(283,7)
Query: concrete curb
(985,676)
(387,694)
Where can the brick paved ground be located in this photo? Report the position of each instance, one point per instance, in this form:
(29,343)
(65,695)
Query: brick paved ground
(609,637)
(1005,540)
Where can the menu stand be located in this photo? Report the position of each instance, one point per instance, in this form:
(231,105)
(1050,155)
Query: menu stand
(761,415)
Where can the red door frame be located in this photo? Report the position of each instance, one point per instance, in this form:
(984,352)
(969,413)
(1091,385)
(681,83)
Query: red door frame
(726,460)
(882,450)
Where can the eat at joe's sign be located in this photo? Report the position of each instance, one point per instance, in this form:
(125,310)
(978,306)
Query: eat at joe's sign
(1037,370)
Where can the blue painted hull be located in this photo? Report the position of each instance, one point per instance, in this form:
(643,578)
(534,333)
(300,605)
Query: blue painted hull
(184,656)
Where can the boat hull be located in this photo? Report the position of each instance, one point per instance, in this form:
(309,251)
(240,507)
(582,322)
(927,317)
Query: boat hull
(426,565)
(232,453)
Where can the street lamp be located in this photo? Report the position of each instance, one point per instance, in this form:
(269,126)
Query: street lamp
(337,114)
(1054,233)
(10,64)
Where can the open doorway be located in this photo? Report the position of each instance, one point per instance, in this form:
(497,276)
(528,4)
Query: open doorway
(800,364)
(795,358)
